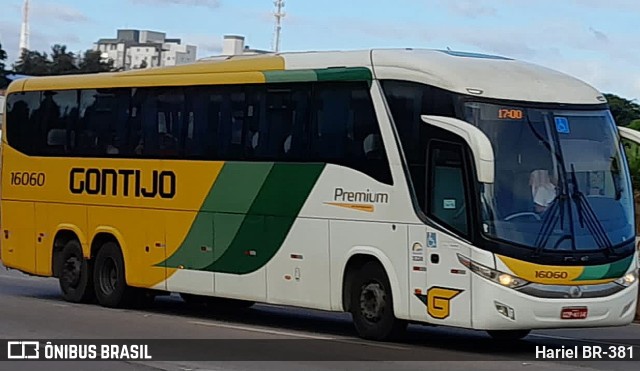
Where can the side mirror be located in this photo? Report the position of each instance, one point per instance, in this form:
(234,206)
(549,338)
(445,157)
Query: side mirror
(629,134)
(479,143)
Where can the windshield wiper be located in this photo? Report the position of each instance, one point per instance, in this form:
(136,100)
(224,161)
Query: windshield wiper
(552,215)
(587,216)
(556,211)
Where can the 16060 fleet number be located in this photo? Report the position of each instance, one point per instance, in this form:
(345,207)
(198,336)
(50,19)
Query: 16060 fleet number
(27,179)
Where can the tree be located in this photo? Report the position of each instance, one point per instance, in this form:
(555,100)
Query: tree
(33,63)
(635,125)
(3,57)
(92,63)
(62,61)
(623,110)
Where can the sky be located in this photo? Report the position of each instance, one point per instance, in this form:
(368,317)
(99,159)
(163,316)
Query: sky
(594,40)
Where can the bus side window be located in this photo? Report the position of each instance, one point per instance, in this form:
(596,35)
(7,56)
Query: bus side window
(446,194)
(284,106)
(332,119)
(23,128)
(202,124)
(102,122)
(345,130)
(59,116)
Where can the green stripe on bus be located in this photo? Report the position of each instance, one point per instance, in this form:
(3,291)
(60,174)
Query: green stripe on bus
(286,189)
(236,187)
(595,272)
(270,218)
(619,268)
(230,198)
(600,272)
(226,227)
(190,254)
(344,74)
(290,76)
(323,74)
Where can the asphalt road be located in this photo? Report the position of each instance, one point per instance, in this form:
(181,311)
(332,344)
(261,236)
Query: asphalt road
(31,308)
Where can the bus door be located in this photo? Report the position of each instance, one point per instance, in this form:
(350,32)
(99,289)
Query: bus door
(458,156)
(435,247)
(631,141)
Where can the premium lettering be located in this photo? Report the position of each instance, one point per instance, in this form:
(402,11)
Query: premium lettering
(341,195)
(123,182)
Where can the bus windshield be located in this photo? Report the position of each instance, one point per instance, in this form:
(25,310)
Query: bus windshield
(560,179)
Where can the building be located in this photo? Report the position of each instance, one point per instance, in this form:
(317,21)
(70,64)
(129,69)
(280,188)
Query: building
(139,49)
(233,45)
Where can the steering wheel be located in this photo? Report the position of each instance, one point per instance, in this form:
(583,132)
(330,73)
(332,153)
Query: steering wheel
(521,214)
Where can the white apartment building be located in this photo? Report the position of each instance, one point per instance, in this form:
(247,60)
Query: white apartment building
(234,45)
(140,48)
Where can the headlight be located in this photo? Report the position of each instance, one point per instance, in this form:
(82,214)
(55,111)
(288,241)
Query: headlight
(628,279)
(504,279)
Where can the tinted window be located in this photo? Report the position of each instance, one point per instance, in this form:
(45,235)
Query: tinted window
(43,123)
(204,115)
(346,130)
(21,121)
(447,201)
(283,132)
(59,119)
(297,122)
(408,102)
(102,128)
(158,119)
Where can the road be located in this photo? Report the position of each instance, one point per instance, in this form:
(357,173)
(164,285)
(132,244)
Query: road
(31,308)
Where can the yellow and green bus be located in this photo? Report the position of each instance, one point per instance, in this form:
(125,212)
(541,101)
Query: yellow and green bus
(401,186)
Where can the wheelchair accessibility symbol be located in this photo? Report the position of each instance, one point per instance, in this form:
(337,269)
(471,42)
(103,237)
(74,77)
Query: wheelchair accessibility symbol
(432,240)
(562,125)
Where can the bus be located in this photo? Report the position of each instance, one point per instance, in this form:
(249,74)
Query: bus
(2,99)
(398,185)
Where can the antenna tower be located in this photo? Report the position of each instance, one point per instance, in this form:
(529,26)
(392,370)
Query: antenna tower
(24,31)
(279,14)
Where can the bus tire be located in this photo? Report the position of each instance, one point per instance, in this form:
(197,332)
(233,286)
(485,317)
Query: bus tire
(372,304)
(508,334)
(109,279)
(75,274)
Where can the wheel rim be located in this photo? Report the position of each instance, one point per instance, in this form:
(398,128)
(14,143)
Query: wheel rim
(372,301)
(71,272)
(108,277)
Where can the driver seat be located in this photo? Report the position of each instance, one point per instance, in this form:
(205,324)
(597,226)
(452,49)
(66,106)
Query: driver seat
(513,194)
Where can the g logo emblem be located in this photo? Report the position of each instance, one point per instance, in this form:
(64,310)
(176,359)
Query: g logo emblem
(439,301)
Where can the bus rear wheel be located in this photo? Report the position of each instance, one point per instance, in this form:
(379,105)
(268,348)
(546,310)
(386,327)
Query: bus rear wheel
(74,274)
(371,305)
(508,334)
(109,279)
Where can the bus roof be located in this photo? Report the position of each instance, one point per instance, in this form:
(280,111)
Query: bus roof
(466,73)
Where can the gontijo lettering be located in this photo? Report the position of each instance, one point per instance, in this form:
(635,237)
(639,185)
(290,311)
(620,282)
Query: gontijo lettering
(122,182)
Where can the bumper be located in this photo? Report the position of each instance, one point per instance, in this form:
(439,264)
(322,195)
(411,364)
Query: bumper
(531,312)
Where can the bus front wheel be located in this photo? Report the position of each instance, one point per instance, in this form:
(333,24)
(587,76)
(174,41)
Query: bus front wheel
(109,279)
(371,304)
(75,276)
